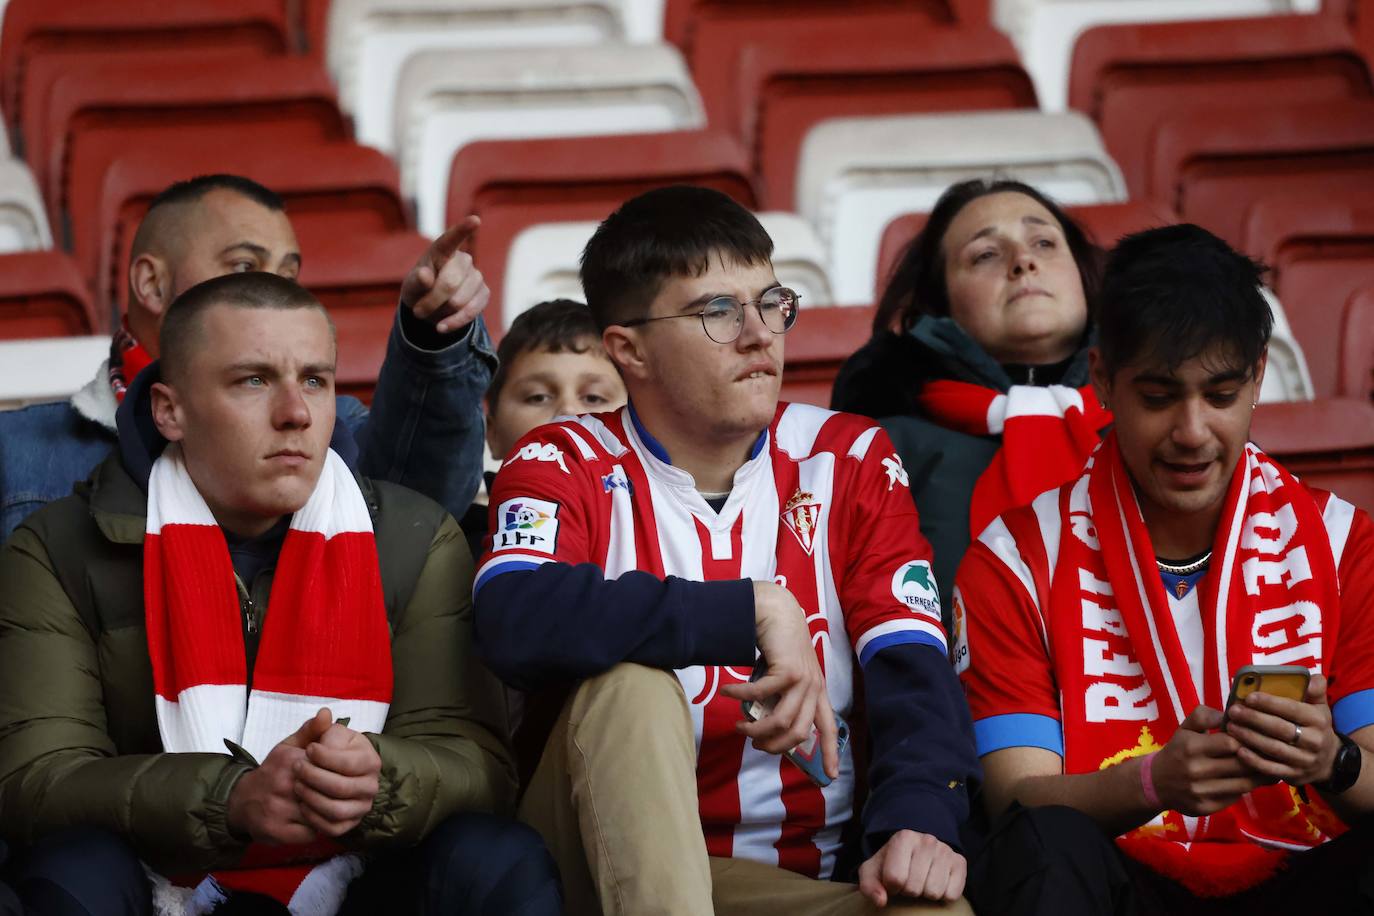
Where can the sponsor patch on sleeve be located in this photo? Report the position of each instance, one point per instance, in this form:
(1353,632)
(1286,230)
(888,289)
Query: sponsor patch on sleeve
(526,523)
(913,584)
(959,654)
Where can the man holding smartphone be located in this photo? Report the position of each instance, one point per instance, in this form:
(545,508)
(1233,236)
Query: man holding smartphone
(701,525)
(1103,627)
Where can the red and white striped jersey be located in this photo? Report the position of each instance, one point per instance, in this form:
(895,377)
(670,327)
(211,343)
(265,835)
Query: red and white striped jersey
(822,507)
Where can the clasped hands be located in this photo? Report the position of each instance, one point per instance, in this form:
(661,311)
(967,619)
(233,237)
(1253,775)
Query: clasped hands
(318,782)
(1266,739)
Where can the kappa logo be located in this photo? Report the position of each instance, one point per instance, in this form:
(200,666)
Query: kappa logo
(539,451)
(914,585)
(528,524)
(801,515)
(896,474)
(616,480)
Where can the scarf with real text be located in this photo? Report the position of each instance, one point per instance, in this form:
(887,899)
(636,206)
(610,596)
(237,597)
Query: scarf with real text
(324,642)
(1270,597)
(1047,433)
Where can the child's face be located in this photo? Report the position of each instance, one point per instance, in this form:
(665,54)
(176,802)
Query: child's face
(541,385)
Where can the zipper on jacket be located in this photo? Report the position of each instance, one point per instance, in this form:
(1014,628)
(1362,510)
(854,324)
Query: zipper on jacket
(1030,375)
(250,610)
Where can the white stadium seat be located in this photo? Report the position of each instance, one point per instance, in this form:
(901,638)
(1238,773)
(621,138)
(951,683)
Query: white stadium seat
(49,369)
(445,100)
(1286,377)
(1044,31)
(856,174)
(23,221)
(370,41)
(543,262)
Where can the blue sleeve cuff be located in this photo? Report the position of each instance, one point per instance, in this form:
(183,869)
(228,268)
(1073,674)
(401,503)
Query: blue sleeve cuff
(1021,729)
(1352,713)
(900,638)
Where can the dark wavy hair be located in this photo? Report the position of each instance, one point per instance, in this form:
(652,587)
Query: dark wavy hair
(917,287)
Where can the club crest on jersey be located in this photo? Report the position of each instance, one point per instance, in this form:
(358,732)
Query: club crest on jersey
(801,515)
(539,451)
(526,523)
(913,584)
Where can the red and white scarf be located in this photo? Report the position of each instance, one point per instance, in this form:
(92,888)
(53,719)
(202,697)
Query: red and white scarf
(128,358)
(1047,433)
(1270,597)
(324,642)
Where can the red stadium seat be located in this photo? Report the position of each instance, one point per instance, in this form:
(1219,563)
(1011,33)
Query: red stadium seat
(773,86)
(42,295)
(1328,443)
(359,281)
(1211,165)
(816,348)
(683,19)
(102,113)
(333,191)
(518,183)
(1321,249)
(1127,78)
(40,35)
(1356,378)
(1104,222)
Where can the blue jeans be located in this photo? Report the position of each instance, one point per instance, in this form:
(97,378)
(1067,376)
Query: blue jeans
(471,865)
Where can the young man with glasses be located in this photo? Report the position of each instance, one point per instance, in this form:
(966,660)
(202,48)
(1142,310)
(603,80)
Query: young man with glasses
(650,556)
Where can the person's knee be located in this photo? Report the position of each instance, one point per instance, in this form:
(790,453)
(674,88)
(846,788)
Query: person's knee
(83,870)
(485,864)
(630,691)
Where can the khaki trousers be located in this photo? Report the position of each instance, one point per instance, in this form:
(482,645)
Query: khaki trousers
(615,799)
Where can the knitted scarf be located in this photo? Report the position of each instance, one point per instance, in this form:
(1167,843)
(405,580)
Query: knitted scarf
(128,358)
(1047,433)
(324,642)
(1270,597)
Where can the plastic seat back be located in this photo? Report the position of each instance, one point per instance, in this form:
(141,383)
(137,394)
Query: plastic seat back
(42,295)
(1129,77)
(1211,166)
(775,86)
(516,184)
(856,174)
(1327,443)
(52,37)
(23,220)
(445,101)
(817,346)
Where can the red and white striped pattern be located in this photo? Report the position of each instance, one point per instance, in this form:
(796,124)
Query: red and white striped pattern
(324,642)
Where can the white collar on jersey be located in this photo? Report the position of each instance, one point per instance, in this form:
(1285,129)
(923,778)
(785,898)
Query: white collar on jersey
(659,464)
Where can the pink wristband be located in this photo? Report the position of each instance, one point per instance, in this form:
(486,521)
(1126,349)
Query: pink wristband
(1147,782)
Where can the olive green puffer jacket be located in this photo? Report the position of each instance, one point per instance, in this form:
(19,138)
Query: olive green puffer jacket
(79,739)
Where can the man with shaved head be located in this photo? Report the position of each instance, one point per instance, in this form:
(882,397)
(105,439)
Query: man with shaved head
(426,427)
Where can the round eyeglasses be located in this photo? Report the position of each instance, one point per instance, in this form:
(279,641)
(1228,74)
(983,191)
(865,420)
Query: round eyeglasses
(722,318)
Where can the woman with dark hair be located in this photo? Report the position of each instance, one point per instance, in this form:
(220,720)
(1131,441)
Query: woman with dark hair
(978,362)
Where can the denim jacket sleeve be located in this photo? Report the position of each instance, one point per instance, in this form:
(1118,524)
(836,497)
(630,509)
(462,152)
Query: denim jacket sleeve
(426,430)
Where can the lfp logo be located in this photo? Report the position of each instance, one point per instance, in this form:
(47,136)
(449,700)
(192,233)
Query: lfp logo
(914,585)
(520,516)
(527,524)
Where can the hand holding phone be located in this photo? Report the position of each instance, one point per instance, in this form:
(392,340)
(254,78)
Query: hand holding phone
(807,755)
(1287,681)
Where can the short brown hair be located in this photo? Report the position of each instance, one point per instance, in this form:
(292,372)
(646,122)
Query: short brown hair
(180,329)
(558,326)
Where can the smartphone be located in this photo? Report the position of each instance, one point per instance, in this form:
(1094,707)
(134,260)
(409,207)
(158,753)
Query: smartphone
(1289,681)
(807,755)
